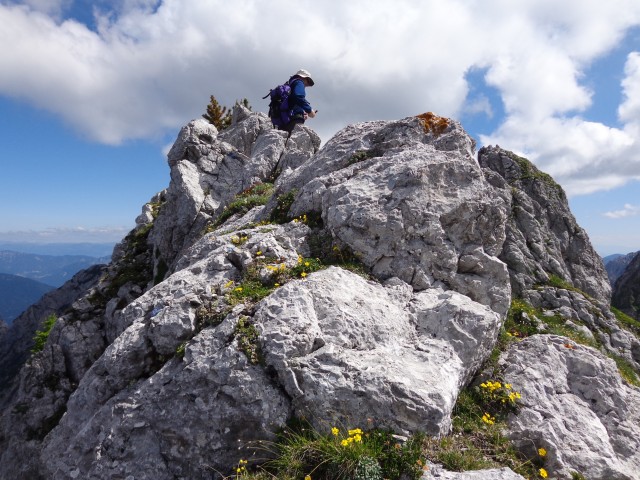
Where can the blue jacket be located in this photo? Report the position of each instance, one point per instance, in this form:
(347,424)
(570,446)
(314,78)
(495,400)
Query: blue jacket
(297,98)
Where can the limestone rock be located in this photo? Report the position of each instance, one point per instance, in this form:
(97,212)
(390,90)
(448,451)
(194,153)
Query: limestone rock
(380,188)
(575,405)
(347,348)
(437,473)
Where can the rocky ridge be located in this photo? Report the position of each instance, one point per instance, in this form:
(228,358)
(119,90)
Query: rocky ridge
(626,290)
(616,266)
(176,361)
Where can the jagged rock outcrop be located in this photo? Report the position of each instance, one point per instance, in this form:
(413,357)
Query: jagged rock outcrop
(626,290)
(551,262)
(543,237)
(211,328)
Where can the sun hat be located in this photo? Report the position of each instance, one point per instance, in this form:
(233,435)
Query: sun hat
(304,74)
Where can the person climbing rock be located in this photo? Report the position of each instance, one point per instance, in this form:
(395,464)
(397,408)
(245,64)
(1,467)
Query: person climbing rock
(298,99)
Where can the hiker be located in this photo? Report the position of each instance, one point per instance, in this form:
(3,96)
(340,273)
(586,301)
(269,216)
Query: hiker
(298,101)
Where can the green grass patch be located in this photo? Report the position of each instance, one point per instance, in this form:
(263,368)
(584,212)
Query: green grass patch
(41,336)
(530,172)
(626,369)
(341,454)
(476,441)
(524,320)
(627,322)
(253,196)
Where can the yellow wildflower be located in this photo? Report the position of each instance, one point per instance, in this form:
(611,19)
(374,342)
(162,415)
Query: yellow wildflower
(488,419)
(238,289)
(357,438)
(335,431)
(355,431)
(303,274)
(543,473)
(542,452)
(308,477)
(259,252)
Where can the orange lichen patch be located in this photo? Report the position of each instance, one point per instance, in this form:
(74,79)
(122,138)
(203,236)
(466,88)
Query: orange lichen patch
(433,123)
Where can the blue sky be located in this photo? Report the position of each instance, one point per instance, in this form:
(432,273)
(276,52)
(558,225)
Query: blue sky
(93,93)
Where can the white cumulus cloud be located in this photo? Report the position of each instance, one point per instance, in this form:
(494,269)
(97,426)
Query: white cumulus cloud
(147,67)
(628,211)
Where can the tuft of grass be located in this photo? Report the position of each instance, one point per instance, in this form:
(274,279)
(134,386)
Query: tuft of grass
(524,320)
(253,196)
(476,444)
(341,454)
(626,369)
(41,336)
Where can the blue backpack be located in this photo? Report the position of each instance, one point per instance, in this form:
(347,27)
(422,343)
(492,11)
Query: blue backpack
(280,111)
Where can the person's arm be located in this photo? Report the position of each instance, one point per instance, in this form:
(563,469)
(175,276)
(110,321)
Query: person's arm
(300,96)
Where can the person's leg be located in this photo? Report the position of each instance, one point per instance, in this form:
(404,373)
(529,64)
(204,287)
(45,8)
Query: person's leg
(292,124)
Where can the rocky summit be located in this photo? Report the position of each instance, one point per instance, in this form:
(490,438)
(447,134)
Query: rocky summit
(378,282)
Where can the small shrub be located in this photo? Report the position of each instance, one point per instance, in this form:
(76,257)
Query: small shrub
(217,115)
(41,336)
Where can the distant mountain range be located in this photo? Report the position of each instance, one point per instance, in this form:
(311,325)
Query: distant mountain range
(25,277)
(616,264)
(17,294)
(52,270)
(58,249)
